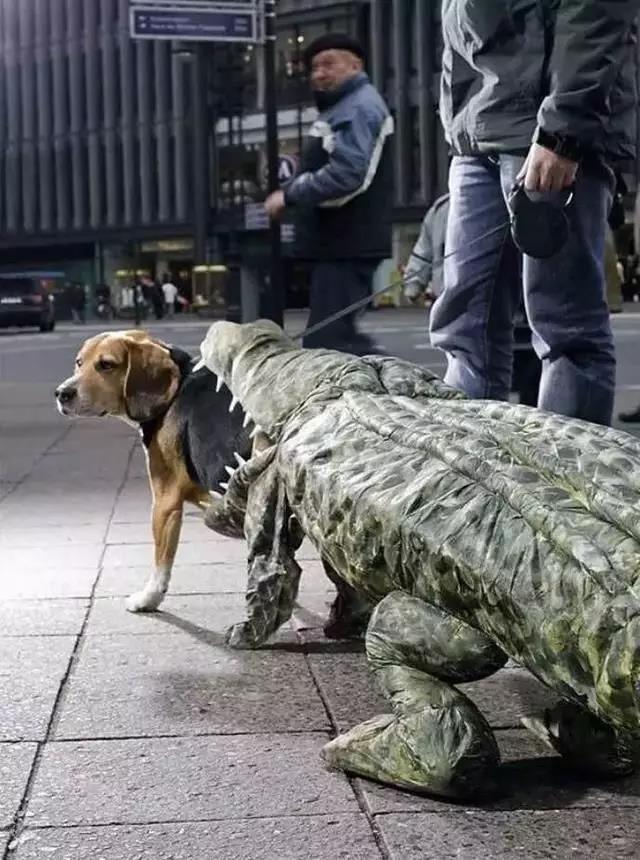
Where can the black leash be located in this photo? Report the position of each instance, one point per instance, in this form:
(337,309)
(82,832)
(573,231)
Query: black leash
(354,306)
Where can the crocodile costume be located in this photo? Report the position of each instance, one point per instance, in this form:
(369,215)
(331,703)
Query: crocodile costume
(481,531)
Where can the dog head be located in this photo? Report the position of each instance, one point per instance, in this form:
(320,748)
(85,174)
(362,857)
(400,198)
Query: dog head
(126,374)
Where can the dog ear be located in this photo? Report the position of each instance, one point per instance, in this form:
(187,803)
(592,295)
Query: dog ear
(151,382)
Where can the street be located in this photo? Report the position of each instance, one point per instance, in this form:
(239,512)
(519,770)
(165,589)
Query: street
(129,737)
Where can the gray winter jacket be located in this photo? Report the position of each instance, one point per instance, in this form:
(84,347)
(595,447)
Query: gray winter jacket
(425,264)
(565,65)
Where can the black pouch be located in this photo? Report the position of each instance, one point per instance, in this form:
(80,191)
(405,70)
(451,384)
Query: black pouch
(539,228)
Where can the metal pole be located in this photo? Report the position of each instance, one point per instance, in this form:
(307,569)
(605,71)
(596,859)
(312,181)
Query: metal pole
(200,131)
(275,308)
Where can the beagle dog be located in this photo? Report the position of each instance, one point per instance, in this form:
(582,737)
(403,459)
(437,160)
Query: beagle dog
(188,422)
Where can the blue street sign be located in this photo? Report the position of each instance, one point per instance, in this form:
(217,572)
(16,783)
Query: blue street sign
(214,23)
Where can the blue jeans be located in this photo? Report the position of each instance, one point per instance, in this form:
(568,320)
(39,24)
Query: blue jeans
(564,295)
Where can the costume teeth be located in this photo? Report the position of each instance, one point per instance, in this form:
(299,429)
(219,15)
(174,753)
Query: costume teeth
(239,460)
(219,383)
(230,471)
(247,420)
(257,429)
(224,486)
(234,403)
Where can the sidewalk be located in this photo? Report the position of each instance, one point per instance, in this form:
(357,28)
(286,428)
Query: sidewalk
(143,738)
(294,319)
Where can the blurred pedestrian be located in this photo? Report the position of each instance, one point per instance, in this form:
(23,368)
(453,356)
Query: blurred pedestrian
(157,299)
(423,273)
(342,195)
(170,292)
(138,302)
(78,303)
(543,93)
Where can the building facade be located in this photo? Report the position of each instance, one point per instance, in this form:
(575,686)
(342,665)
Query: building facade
(108,146)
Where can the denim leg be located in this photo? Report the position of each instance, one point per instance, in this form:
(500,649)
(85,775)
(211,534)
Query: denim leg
(565,301)
(472,320)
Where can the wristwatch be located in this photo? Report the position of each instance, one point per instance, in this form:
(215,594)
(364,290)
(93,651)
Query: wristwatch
(563,145)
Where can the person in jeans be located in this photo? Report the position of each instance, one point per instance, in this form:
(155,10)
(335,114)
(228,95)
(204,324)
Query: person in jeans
(423,276)
(342,196)
(543,92)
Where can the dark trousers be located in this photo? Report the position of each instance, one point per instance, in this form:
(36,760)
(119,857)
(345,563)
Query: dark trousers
(334,286)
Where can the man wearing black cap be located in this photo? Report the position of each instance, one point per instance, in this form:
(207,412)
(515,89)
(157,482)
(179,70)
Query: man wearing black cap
(342,195)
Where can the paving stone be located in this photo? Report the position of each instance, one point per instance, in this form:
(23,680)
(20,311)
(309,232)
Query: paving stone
(185,579)
(531,777)
(193,530)
(534,835)
(318,837)
(41,617)
(15,766)
(348,687)
(54,558)
(55,517)
(32,535)
(86,468)
(202,552)
(183,779)
(34,584)
(187,684)
(205,616)
(314,580)
(31,670)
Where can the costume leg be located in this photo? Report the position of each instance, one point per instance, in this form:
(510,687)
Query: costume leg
(274,574)
(350,611)
(435,740)
(588,745)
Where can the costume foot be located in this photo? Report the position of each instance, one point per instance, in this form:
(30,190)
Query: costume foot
(431,751)
(241,637)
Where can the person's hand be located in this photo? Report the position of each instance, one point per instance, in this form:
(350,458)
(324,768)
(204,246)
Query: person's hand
(413,290)
(544,170)
(274,204)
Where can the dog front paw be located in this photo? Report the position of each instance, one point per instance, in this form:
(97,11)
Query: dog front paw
(241,636)
(144,601)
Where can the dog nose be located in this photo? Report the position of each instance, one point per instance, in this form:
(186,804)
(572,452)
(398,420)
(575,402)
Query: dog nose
(65,393)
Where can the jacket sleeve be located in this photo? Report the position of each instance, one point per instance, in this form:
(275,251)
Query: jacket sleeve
(351,166)
(588,51)
(418,271)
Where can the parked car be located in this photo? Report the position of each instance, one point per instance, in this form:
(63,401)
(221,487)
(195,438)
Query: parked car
(25,301)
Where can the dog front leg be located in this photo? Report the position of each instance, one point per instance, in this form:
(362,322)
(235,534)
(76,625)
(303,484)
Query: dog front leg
(166,523)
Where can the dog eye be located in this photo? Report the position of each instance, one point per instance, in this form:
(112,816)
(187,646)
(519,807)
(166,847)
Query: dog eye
(78,362)
(105,364)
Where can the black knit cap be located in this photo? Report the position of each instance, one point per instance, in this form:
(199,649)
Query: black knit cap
(332,42)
